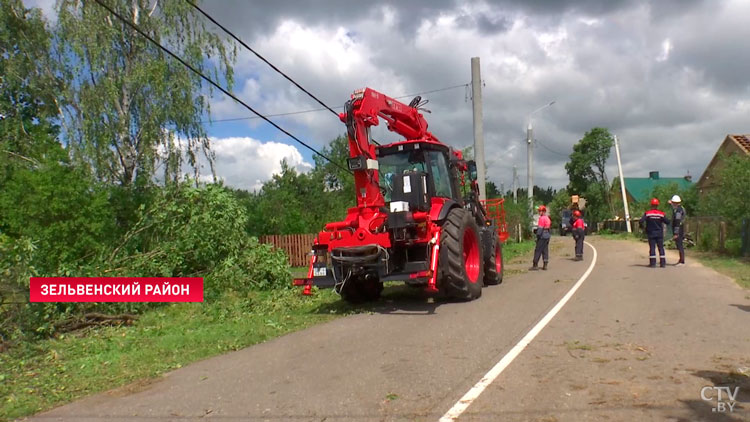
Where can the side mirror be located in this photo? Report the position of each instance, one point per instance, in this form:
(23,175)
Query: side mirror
(472,169)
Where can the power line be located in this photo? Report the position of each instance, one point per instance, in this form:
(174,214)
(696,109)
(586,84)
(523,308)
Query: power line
(550,149)
(259,56)
(209,80)
(289,113)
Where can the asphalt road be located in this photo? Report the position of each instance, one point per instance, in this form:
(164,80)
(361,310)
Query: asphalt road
(632,344)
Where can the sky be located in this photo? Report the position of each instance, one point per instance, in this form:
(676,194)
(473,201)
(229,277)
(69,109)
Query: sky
(668,77)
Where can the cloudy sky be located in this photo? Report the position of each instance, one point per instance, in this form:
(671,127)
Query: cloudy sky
(671,78)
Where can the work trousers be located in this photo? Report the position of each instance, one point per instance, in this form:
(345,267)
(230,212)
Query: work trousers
(653,242)
(579,242)
(541,250)
(679,242)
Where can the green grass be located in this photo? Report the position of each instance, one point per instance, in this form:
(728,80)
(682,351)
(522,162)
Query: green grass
(39,375)
(735,267)
(36,376)
(618,235)
(299,271)
(513,249)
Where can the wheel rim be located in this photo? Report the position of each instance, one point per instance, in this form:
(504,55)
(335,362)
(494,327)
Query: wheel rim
(471,255)
(498,259)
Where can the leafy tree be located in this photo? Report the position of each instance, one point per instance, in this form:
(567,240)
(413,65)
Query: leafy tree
(543,196)
(492,190)
(26,99)
(127,105)
(559,202)
(285,204)
(57,205)
(730,198)
(337,183)
(587,175)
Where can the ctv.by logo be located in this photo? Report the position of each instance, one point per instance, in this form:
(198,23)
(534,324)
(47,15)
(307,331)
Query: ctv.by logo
(726,397)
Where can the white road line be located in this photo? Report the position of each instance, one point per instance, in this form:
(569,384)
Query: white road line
(468,398)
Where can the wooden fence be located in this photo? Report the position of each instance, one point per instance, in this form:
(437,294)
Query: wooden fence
(709,233)
(296,246)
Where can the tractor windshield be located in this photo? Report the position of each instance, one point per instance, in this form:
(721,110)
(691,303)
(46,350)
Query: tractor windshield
(417,160)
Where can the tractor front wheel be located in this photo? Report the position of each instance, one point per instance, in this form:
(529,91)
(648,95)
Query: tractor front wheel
(493,273)
(460,271)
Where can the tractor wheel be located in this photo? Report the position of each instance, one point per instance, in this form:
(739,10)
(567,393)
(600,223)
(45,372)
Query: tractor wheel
(460,269)
(493,266)
(360,290)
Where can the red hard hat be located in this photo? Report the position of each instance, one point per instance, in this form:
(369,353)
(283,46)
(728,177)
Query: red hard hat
(654,201)
(577,213)
(542,208)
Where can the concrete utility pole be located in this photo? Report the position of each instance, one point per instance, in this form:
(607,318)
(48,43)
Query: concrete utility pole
(622,186)
(515,184)
(476,101)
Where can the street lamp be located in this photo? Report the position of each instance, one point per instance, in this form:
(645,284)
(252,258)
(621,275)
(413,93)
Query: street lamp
(529,155)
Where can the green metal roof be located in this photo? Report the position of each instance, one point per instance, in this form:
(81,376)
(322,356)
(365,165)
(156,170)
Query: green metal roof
(640,188)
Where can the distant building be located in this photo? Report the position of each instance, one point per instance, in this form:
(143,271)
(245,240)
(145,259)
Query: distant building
(638,189)
(733,144)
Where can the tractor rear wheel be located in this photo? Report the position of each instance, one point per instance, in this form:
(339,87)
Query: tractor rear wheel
(493,266)
(460,271)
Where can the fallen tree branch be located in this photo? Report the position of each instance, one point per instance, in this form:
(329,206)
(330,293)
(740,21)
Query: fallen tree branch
(94,319)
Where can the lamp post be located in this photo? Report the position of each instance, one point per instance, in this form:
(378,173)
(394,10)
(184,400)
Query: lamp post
(529,156)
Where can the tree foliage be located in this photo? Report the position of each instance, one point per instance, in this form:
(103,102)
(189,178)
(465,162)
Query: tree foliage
(293,202)
(127,106)
(26,89)
(86,204)
(587,175)
(729,199)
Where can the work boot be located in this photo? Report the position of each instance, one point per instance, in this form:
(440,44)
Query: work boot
(545,267)
(534,268)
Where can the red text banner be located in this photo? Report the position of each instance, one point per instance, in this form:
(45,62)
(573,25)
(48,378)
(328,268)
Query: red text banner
(116,289)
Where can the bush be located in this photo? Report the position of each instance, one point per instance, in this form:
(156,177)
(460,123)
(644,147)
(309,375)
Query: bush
(183,231)
(733,247)
(257,267)
(200,232)
(709,239)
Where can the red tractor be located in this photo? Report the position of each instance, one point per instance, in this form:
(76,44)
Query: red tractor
(413,222)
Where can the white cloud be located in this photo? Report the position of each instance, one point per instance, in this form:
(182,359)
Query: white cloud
(247,163)
(47,6)
(671,81)
(666,48)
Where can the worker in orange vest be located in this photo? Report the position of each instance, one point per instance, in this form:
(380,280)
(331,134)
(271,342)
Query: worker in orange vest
(579,232)
(542,239)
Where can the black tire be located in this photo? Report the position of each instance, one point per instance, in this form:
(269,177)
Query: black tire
(453,278)
(360,290)
(492,276)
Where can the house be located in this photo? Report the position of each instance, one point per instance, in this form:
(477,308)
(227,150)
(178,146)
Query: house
(733,144)
(638,189)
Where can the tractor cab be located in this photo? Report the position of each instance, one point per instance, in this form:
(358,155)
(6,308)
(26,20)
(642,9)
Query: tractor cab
(414,173)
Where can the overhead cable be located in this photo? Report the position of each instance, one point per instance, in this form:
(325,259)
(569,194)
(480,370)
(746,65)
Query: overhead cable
(236,38)
(209,80)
